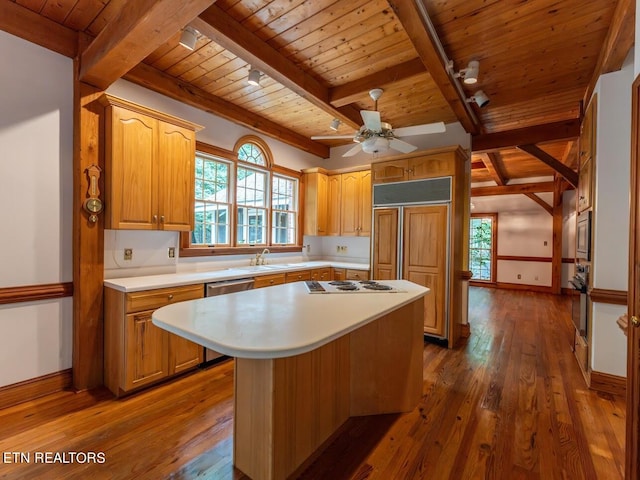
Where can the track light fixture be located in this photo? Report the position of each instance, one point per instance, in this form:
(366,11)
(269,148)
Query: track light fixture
(480,98)
(189,37)
(335,123)
(469,75)
(254,76)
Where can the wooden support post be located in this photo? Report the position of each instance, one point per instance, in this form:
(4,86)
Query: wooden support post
(556,255)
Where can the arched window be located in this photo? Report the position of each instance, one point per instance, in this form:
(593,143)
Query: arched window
(243,199)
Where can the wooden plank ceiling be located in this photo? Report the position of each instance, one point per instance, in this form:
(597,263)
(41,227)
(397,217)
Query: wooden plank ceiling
(538,62)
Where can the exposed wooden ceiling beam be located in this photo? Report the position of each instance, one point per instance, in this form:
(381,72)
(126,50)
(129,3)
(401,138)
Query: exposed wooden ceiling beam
(157,81)
(137,30)
(22,22)
(512,189)
(353,91)
(536,152)
(224,30)
(549,132)
(619,40)
(539,201)
(493,162)
(416,23)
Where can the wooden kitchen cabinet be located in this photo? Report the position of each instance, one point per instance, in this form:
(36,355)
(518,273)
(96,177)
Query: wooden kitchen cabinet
(418,167)
(298,276)
(137,353)
(585,185)
(338,274)
(321,274)
(353,274)
(587,156)
(315,202)
(149,168)
(334,198)
(269,280)
(355,204)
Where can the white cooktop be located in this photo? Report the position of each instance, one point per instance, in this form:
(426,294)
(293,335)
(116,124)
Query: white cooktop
(351,287)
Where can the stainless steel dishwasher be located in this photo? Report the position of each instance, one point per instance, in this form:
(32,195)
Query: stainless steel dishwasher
(221,288)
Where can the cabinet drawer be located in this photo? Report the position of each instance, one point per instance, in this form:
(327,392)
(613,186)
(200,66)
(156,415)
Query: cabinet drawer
(321,274)
(357,274)
(152,299)
(269,280)
(298,276)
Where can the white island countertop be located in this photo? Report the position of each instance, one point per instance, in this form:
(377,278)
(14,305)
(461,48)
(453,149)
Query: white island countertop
(166,280)
(279,321)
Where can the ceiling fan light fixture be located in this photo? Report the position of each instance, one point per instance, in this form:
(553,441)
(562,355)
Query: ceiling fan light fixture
(254,76)
(335,123)
(480,98)
(189,37)
(375,145)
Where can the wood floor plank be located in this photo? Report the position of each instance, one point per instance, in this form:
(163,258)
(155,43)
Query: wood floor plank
(509,404)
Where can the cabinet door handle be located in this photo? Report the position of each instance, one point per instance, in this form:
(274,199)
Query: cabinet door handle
(161,218)
(170,296)
(155,219)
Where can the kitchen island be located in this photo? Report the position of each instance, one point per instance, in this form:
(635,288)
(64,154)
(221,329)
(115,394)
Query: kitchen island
(305,363)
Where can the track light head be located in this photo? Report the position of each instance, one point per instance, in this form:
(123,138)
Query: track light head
(189,37)
(254,76)
(335,123)
(469,75)
(480,98)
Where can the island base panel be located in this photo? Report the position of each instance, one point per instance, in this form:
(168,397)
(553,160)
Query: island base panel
(287,408)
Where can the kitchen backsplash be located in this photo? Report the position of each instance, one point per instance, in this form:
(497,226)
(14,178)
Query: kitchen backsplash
(150,253)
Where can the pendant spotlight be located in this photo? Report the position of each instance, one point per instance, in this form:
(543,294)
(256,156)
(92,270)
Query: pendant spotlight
(469,75)
(189,37)
(480,98)
(335,123)
(254,76)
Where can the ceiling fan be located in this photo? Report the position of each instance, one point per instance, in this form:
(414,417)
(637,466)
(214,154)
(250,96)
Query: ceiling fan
(376,136)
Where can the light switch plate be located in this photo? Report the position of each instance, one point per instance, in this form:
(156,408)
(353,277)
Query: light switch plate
(172,252)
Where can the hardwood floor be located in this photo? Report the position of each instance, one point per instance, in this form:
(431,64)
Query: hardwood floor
(510,404)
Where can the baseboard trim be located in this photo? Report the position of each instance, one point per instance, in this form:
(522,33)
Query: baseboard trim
(465,330)
(34,388)
(604,382)
(513,286)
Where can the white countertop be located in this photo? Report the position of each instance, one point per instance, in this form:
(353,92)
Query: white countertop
(278,321)
(149,282)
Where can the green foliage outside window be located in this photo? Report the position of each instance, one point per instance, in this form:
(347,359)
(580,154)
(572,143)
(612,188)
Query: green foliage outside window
(480,247)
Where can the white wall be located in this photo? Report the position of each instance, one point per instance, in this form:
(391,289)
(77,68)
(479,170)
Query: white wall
(610,263)
(36,186)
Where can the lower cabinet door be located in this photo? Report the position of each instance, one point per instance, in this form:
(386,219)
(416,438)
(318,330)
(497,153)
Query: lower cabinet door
(183,354)
(146,355)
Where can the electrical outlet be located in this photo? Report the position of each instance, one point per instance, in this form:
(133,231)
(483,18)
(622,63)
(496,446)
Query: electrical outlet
(344,249)
(338,248)
(172,252)
(519,277)
(536,277)
(545,244)
(128,253)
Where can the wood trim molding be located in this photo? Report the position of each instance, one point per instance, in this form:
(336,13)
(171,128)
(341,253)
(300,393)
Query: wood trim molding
(466,275)
(465,330)
(513,286)
(213,251)
(518,258)
(30,293)
(614,297)
(605,382)
(35,388)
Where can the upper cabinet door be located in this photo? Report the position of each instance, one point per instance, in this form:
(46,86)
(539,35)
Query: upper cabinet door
(349,204)
(176,158)
(391,171)
(130,170)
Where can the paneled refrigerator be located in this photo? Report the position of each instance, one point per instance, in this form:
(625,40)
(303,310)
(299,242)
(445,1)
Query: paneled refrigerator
(410,240)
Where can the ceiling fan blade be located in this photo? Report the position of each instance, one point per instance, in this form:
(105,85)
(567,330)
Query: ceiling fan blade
(371,120)
(437,127)
(352,151)
(331,137)
(401,146)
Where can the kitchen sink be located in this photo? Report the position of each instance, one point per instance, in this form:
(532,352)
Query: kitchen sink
(257,268)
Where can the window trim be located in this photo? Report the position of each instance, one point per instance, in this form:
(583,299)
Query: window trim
(494,249)
(187,250)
